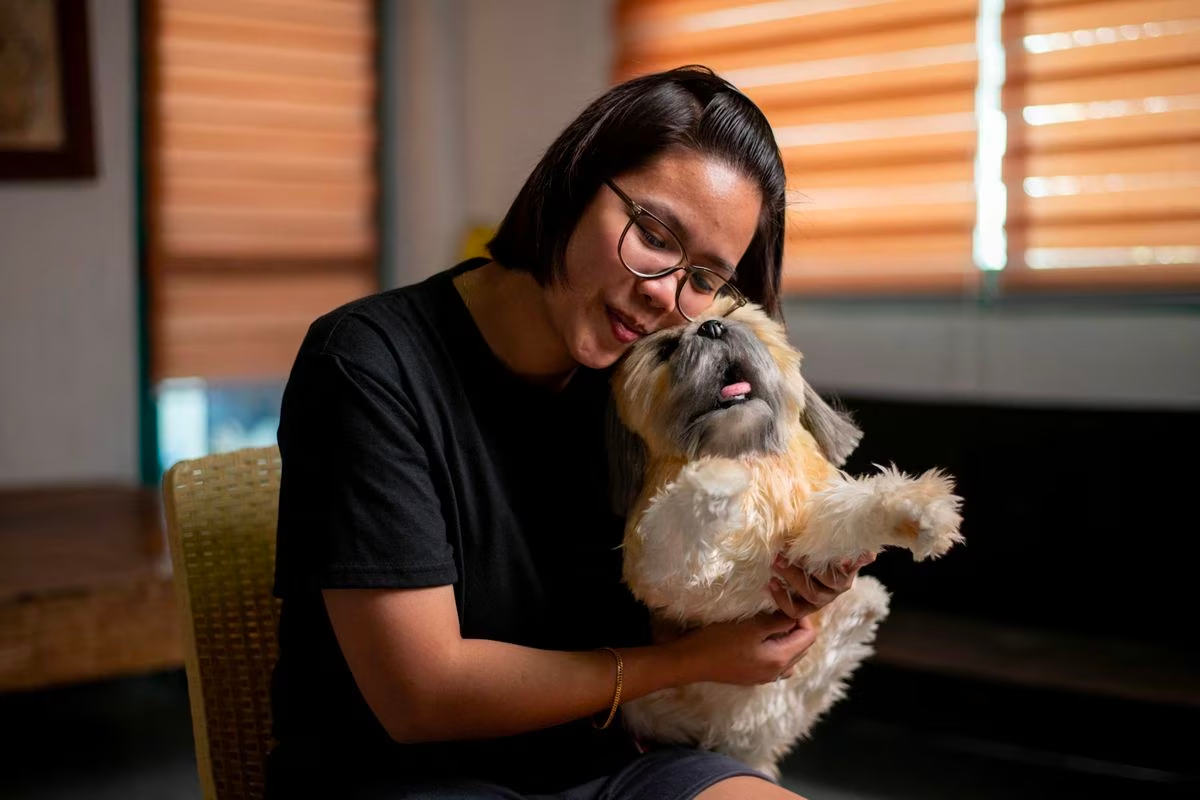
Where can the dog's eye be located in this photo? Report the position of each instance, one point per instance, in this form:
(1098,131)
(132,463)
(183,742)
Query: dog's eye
(667,348)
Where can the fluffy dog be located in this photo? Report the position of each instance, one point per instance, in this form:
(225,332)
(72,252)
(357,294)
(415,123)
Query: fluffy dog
(738,461)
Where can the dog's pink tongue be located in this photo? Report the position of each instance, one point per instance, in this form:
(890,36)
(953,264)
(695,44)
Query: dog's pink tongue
(735,389)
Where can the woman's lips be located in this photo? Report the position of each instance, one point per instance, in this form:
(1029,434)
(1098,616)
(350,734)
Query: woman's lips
(624,332)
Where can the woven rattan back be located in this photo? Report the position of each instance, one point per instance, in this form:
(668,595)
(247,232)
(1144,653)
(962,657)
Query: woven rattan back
(221,512)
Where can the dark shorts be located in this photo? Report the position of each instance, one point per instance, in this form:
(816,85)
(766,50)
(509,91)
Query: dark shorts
(673,773)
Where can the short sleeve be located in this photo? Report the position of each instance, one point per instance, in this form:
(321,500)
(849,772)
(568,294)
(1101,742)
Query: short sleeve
(358,505)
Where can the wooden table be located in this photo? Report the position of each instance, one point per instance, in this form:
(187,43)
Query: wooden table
(85,586)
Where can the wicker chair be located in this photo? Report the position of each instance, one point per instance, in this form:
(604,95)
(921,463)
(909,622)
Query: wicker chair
(221,512)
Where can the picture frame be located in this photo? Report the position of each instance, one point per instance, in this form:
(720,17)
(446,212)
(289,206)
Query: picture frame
(45,91)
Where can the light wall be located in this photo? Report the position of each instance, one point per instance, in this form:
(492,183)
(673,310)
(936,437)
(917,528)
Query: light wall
(1115,355)
(68,338)
(481,88)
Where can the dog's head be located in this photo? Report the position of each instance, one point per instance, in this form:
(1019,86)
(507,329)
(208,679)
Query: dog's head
(720,386)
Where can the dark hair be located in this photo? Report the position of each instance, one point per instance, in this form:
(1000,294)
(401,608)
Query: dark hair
(628,127)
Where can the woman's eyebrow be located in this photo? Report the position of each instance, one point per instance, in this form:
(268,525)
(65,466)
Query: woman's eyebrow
(673,222)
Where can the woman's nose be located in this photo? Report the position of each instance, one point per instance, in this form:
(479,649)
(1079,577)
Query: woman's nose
(661,292)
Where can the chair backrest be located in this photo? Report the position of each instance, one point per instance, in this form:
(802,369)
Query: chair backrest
(221,512)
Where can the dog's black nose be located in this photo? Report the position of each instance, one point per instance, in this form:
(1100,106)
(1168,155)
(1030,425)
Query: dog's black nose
(712,329)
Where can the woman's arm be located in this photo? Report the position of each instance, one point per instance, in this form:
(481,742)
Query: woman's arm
(425,682)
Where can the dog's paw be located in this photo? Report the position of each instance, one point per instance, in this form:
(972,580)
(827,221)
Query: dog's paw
(925,514)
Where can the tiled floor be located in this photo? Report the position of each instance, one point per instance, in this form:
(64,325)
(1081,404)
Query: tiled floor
(131,739)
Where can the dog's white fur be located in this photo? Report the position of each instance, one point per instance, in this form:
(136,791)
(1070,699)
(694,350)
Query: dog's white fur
(705,529)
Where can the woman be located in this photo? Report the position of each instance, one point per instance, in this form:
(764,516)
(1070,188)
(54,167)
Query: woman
(453,620)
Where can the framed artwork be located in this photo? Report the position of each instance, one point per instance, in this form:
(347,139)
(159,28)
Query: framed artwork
(45,91)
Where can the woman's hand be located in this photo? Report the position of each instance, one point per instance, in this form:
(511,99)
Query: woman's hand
(799,592)
(752,651)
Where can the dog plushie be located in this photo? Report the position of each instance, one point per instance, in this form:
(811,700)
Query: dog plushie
(724,457)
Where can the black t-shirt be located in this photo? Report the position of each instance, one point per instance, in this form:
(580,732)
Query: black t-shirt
(412,457)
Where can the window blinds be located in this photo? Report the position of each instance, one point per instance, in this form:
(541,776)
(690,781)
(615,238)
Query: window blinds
(1103,103)
(875,103)
(872,102)
(260,160)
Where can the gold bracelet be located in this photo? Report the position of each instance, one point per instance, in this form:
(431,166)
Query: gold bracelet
(616,700)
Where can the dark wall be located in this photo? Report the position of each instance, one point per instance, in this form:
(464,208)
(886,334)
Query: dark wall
(1076,520)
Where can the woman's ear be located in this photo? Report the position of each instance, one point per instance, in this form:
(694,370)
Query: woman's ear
(626,464)
(834,430)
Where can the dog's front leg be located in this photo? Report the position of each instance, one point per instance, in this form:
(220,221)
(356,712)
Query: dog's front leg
(680,548)
(852,516)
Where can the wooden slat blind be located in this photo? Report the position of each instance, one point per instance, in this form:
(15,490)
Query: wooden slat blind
(261,167)
(872,102)
(1103,102)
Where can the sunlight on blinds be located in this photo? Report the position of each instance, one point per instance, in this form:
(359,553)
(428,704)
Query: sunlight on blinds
(1107,140)
(262,177)
(1066,131)
(873,106)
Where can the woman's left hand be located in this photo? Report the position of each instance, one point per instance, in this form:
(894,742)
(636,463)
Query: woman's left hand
(799,592)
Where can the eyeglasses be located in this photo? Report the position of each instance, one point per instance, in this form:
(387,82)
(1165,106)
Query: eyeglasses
(654,251)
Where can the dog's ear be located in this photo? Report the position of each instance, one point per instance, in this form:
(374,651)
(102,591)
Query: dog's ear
(834,430)
(626,464)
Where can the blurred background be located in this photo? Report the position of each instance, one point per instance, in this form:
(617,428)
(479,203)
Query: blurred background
(993,262)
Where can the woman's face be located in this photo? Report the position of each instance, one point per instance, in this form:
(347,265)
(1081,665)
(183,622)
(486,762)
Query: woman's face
(602,308)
